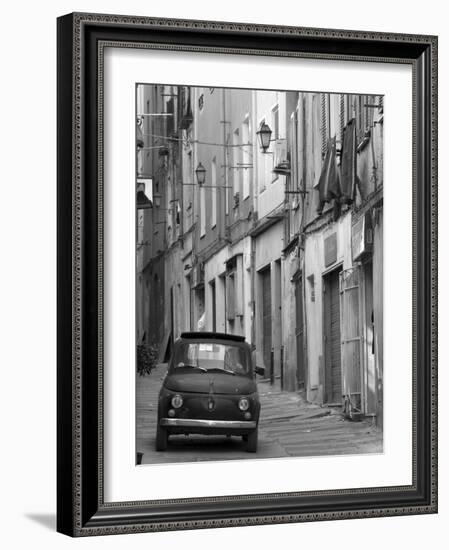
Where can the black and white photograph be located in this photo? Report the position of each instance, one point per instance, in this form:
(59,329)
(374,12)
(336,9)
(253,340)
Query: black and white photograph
(259,273)
(221,275)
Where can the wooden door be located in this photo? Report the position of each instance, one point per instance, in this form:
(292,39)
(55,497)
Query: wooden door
(266,318)
(332,349)
(299,333)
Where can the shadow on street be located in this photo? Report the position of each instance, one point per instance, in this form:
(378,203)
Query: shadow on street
(288,426)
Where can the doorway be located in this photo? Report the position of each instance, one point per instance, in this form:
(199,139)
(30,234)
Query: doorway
(332,338)
(266,318)
(299,333)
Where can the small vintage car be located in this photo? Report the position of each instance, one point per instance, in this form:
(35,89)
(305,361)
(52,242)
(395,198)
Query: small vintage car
(210,389)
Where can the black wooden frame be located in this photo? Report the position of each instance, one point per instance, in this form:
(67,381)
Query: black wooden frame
(81,510)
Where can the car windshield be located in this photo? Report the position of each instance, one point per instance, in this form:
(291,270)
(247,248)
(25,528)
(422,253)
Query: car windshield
(208,356)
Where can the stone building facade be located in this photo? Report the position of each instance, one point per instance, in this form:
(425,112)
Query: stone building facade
(282,245)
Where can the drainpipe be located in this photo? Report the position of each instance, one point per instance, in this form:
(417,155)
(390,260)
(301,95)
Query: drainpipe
(255,194)
(302,255)
(253,292)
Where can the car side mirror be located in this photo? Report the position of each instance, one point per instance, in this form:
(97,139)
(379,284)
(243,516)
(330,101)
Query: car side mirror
(259,370)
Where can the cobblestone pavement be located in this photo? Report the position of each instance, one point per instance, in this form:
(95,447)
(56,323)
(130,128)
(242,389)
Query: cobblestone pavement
(288,426)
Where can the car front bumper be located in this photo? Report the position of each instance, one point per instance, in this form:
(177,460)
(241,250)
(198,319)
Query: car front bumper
(197,425)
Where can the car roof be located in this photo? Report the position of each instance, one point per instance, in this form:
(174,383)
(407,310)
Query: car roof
(212,336)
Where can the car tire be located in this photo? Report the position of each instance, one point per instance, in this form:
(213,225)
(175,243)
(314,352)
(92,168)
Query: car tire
(251,444)
(161,439)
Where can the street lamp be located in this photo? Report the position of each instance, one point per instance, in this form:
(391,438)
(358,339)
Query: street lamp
(264,134)
(200,174)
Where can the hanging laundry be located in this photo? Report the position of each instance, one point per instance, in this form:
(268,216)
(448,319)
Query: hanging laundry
(329,183)
(348,166)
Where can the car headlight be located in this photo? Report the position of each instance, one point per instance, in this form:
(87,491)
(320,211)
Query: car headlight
(243,404)
(177,401)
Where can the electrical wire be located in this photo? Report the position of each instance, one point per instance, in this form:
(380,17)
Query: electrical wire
(185,141)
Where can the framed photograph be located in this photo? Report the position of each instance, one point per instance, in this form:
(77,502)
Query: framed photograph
(247,274)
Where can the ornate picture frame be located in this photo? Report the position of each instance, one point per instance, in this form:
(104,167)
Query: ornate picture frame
(81,507)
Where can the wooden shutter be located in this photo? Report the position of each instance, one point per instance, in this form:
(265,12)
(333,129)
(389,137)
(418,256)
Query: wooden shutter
(332,338)
(293,179)
(238,286)
(266,322)
(381,103)
(299,333)
(351,341)
(343,115)
(230,296)
(324,124)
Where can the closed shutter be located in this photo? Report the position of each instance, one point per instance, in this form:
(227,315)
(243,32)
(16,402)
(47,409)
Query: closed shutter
(170,120)
(343,114)
(238,286)
(230,296)
(291,227)
(332,339)
(266,315)
(381,103)
(351,341)
(299,332)
(360,128)
(324,124)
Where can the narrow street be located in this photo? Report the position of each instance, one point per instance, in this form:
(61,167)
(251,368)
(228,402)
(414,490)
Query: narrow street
(260,214)
(288,426)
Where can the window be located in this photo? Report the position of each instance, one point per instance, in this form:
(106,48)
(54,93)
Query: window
(202,212)
(381,103)
(210,355)
(364,107)
(227,161)
(368,106)
(274,136)
(344,114)
(295,160)
(188,193)
(235,162)
(275,122)
(245,157)
(214,191)
(360,117)
(293,181)
(230,296)
(332,117)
